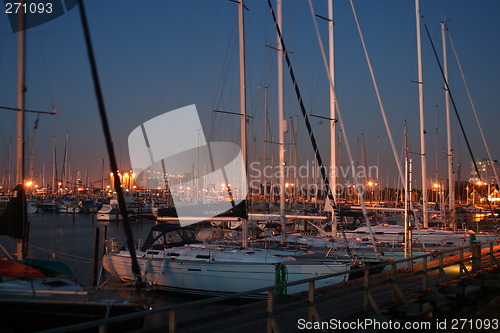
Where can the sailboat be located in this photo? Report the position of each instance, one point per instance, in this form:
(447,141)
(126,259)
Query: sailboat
(172,259)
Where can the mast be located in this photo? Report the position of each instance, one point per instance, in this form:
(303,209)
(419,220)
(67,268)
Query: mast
(333,135)
(21,90)
(407,195)
(9,165)
(243,99)
(281,126)
(425,215)
(55,187)
(264,180)
(436,171)
(66,160)
(451,176)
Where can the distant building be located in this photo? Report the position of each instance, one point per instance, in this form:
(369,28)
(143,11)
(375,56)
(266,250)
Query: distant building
(486,172)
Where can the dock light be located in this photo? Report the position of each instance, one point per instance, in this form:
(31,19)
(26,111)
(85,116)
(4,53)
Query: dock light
(29,183)
(370,183)
(436,185)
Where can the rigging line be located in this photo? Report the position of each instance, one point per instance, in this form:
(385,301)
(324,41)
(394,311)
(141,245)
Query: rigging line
(109,144)
(473,106)
(358,185)
(375,85)
(60,254)
(456,113)
(308,125)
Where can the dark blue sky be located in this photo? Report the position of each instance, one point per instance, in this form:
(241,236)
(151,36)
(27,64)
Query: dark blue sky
(156,56)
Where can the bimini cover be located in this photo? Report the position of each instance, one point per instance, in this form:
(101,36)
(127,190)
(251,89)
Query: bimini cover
(165,235)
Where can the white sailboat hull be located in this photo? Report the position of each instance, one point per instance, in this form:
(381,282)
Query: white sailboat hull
(216,278)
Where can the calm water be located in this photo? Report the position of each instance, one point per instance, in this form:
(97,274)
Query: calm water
(71,239)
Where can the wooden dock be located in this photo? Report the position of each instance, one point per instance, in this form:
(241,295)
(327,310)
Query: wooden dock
(425,284)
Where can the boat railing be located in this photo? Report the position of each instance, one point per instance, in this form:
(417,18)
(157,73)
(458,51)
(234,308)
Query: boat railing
(429,271)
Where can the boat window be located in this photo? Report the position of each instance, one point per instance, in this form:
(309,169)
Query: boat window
(203,256)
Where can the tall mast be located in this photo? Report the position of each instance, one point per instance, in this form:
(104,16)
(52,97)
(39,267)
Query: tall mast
(21,89)
(422,124)
(451,176)
(243,99)
(65,169)
(333,135)
(407,195)
(281,126)
(264,180)
(55,187)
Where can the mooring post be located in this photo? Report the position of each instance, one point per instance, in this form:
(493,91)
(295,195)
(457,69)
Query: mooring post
(393,289)
(310,304)
(171,321)
(475,250)
(271,324)
(493,260)
(441,267)
(424,272)
(104,238)
(96,255)
(366,284)
(462,262)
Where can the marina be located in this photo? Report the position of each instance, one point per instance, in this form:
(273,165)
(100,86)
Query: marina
(271,207)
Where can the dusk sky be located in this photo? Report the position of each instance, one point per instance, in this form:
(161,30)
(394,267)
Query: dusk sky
(156,56)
